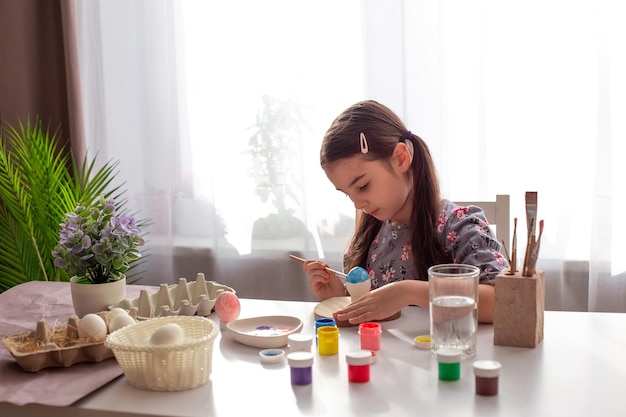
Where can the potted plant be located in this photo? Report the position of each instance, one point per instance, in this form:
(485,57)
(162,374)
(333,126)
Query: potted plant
(97,245)
(40,181)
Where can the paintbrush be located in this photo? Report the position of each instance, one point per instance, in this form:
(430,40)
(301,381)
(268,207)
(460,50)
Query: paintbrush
(529,245)
(339,274)
(534,253)
(513,261)
(531,211)
(506,253)
(531,219)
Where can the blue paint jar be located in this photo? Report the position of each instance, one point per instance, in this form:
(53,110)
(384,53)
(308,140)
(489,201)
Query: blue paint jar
(322,322)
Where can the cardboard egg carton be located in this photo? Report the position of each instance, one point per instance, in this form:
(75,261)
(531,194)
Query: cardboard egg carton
(182,299)
(57,346)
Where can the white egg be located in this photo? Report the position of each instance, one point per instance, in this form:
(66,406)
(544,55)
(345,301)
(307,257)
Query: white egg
(117,311)
(119,321)
(92,327)
(168,334)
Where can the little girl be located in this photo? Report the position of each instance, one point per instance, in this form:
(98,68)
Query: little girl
(404,226)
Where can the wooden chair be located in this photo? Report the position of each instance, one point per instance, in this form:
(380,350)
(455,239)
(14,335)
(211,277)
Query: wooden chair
(498,213)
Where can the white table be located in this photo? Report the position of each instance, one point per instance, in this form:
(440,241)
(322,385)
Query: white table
(578,370)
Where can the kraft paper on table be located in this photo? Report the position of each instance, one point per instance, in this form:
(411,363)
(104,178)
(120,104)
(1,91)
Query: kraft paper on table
(20,309)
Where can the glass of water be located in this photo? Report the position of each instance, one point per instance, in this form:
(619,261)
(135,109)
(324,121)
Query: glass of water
(453,291)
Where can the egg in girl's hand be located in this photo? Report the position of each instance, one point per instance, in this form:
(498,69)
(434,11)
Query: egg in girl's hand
(168,334)
(120,320)
(227,307)
(92,327)
(357,274)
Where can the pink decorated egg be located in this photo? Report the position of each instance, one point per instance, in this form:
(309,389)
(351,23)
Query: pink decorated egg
(227,307)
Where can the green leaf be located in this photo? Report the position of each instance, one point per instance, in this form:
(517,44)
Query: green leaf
(40,182)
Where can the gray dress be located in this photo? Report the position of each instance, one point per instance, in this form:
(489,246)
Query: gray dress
(464,237)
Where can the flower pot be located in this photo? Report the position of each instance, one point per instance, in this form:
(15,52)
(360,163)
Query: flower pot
(92,298)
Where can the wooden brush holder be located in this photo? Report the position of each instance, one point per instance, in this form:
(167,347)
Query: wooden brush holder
(518,310)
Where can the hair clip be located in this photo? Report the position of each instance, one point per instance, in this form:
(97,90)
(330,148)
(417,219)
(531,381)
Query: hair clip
(363,140)
(409,135)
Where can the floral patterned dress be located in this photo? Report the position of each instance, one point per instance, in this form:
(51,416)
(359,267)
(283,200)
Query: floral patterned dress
(464,235)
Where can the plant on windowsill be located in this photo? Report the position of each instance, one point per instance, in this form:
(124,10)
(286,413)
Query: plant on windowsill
(274,148)
(97,245)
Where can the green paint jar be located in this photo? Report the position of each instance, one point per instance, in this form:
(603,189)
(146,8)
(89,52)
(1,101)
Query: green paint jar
(449,361)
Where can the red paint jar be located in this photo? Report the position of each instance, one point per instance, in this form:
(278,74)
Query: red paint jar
(359,365)
(370,335)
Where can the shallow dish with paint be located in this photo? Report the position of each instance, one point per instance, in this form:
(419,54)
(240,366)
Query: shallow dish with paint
(264,332)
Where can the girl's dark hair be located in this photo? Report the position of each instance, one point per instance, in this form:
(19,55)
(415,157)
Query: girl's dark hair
(384,130)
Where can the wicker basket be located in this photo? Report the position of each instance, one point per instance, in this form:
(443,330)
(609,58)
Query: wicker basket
(165,368)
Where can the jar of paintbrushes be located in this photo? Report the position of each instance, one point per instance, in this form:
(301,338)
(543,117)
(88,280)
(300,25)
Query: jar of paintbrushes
(520,293)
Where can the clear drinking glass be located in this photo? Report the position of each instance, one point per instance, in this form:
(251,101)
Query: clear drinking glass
(453,291)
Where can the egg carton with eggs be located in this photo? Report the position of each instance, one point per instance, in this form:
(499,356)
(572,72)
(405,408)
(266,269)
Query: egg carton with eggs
(182,299)
(79,340)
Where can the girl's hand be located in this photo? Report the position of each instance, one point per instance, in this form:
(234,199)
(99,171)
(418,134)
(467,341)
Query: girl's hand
(323,284)
(379,304)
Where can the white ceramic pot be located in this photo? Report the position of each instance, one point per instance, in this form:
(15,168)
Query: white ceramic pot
(92,298)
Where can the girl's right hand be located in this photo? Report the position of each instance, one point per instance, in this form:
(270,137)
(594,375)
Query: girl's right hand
(323,284)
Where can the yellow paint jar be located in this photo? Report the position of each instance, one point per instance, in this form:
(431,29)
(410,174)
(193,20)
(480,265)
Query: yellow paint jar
(328,340)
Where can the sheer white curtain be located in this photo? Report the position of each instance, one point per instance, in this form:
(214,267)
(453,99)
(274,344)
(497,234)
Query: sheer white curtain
(511,98)
(176,90)
(528,96)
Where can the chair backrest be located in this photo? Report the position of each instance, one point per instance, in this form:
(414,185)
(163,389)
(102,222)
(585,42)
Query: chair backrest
(498,214)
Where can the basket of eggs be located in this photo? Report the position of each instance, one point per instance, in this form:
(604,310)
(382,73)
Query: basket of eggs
(172,353)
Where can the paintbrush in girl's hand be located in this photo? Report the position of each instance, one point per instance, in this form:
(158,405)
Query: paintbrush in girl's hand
(339,274)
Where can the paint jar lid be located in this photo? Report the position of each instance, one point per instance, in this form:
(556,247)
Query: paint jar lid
(272,355)
(328,331)
(422,342)
(325,321)
(449,355)
(359,357)
(300,359)
(487,369)
(300,341)
(369,328)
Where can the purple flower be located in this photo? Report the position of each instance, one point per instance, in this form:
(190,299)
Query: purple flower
(97,245)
